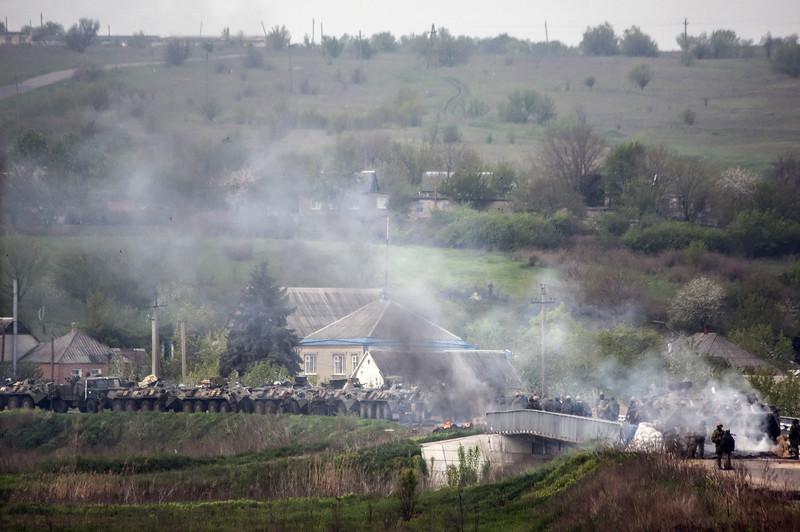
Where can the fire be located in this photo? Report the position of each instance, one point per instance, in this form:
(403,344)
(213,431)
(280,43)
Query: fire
(448,424)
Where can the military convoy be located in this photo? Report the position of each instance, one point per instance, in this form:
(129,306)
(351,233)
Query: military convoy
(95,394)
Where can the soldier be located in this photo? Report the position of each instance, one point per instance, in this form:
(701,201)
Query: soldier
(613,409)
(716,437)
(794,439)
(700,439)
(728,445)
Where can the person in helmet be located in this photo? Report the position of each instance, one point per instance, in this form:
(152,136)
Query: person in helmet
(716,438)
(728,445)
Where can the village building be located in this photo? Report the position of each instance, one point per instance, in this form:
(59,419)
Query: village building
(25,340)
(75,355)
(335,351)
(721,350)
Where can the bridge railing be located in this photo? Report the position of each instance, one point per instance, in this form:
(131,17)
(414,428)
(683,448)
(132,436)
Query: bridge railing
(557,426)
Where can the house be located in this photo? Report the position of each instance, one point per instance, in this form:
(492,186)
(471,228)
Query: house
(467,382)
(719,348)
(74,355)
(314,308)
(335,351)
(355,195)
(26,341)
(430,198)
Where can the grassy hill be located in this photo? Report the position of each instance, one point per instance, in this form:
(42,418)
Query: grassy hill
(306,472)
(745,114)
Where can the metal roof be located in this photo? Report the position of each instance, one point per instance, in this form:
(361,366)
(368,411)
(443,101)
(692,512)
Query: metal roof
(314,308)
(386,321)
(433,368)
(713,345)
(72,348)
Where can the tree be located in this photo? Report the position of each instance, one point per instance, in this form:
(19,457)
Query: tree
(333,46)
(641,75)
(600,40)
(51,30)
(278,38)
(725,44)
(589,82)
(176,52)
(81,35)
(571,152)
(523,105)
(384,42)
(407,493)
(635,43)
(625,163)
(787,60)
(259,333)
(693,184)
(22,260)
(700,302)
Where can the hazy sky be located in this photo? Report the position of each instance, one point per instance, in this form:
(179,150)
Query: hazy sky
(525,19)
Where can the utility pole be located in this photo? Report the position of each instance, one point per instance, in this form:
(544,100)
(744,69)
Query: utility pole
(313,29)
(546,38)
(156,346)
(183,350)
(15,329)
(543,302)
(432,51)
(685,42)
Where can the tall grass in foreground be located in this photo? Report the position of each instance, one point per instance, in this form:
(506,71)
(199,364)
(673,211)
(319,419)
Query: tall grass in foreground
(605,490)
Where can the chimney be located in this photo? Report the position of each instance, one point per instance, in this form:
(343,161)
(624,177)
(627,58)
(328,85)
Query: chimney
(74,326)
(706,329)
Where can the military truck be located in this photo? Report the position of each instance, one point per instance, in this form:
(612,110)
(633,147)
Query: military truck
(27,393)
(87,395)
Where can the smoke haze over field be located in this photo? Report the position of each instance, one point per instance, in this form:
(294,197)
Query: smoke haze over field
(566,20)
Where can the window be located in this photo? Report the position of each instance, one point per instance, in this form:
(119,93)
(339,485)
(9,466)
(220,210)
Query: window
(76,372)
(316,205)
(97,372)
(355,362)
(420,207)
(338,364)
(311,364)
(382,203)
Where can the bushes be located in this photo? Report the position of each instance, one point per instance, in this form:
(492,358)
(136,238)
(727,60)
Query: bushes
(766,234)
(675,235)
(463,228)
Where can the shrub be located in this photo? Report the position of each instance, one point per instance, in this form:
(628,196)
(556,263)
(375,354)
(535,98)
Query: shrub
(786,60)
(176,52)
(766,234)
(688,116)
(675,235)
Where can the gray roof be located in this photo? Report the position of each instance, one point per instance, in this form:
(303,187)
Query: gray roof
(315,308)
(432,181)
(388,321)
(713,345)
(72,348)
(468,367)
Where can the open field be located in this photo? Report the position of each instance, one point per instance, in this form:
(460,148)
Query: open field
(746,115)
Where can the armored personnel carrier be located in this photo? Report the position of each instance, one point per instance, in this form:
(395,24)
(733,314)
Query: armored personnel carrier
(27,393)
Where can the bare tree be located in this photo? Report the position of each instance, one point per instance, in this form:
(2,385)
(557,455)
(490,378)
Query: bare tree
(572,152)
(693,184)
(81,35)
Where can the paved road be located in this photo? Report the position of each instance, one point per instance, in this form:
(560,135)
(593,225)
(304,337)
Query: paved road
(774,473)
(36,83)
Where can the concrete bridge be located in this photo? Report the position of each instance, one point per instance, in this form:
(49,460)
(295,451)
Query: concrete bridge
(519,439)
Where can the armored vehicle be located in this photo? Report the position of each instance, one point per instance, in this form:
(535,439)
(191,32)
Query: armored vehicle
(88,395)
(216,396)
(27,393)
